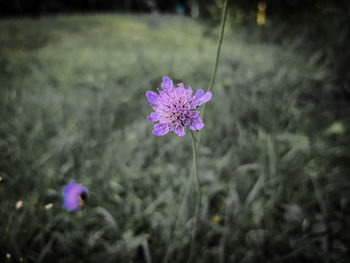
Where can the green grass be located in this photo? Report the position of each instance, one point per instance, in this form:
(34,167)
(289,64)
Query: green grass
(273,160)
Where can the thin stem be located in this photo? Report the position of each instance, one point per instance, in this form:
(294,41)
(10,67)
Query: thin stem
(181,216)
(199,195)
(224,16)
(194,151)
(196,141)
(212,79)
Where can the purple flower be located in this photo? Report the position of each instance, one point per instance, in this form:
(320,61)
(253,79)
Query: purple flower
(74,196)
(175,108)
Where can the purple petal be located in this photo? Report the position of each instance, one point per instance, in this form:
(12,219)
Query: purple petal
(160,126)
(167,83)
(181,88)
(181,85)
(152,97)
(179,130)
(199,126)
(153,117)
(196,123)
(206,97)
(194,113)
(199,94)
(166,79)
(189,91)
(159,132)
(161,129)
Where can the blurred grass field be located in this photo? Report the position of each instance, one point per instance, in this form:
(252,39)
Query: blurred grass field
(273,160)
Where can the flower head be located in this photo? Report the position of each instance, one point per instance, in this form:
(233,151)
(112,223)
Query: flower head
(74,196)
(175,108)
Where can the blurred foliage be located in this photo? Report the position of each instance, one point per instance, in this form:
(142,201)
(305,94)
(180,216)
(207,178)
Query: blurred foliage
(273,161)
(321,27)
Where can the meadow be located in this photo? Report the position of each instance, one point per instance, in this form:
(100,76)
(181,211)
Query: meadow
(273,159)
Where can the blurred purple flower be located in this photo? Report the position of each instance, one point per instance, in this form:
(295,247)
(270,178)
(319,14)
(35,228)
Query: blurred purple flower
(175,108)
(74,196)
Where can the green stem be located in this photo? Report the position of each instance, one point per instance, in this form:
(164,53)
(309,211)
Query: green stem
(212,79)
(194,151)
(224,16)
(185,197)
(199,196)
(195,142)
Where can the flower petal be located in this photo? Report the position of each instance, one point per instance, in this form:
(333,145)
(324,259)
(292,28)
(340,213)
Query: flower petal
(196,123)
(181,85)
(199,94)
(153,117)
(199,126)
(189,91)
(159,132)
(179,130)
(194,113)
(161,129)
(166,79)
(152,97)
(206,97)
(167,83)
